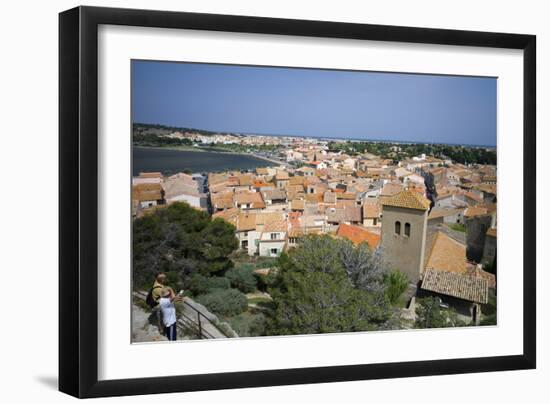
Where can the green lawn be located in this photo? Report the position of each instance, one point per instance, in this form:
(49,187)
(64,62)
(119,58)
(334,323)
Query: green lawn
(458,227)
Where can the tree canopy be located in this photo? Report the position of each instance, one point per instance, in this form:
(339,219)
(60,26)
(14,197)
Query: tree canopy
(183,240)
(329,285)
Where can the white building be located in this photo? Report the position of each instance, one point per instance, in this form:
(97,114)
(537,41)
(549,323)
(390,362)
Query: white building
(182,188)
(273,238)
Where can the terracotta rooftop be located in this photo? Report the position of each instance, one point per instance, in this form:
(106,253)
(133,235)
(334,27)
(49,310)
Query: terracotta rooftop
(222,200)
(151,175)
(346,203)
(246,179)
(462,286)
(445,192)
(443,212)
(250,198)
(296,180)
(281,175)
(261,171)
(233,181)
(265,217)
(473,196)
(314,198)
(275,225)
(346,195)
(329,197)
(260,183)
(312,180)
(475,211)
(294,188)
(230,215)
(371,209)
(391,189)
(246,222)
(180,186)
(477,271)
(407,199)
(274,194)
(214,178)
(487,188)
(344,214)
(297,204)
(445,254)
(358,235)
(147,192)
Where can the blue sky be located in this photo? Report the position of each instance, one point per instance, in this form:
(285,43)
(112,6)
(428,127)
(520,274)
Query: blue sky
(311,102)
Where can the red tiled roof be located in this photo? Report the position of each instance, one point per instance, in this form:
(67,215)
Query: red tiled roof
(358,235)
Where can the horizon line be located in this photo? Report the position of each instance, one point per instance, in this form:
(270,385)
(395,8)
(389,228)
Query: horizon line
(370,140)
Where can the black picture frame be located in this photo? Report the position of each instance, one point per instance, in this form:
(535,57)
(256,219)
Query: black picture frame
(78,207)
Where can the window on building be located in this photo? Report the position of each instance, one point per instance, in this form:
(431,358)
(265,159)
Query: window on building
(273,251)
(398,227)
(374,221)
(273,236)
(407,229)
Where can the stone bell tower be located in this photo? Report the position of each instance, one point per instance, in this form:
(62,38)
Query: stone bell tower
(404,224)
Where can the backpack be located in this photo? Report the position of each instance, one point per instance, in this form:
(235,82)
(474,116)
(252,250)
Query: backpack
(151,302)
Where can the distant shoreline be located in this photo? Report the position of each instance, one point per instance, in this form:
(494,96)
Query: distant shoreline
(199,150)
(327,138)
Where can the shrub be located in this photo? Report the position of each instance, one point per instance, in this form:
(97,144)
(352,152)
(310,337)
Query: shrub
(242,278)
(396,283)
(429,314)
(200,284)
(225,302)
(487,320)
(248,325)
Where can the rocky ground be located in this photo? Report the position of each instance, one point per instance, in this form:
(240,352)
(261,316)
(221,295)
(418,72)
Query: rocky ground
(142,329)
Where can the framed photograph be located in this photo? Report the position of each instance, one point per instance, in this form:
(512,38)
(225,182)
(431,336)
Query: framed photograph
(251,201)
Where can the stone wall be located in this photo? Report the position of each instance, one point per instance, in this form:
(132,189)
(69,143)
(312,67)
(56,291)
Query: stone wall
(476,229)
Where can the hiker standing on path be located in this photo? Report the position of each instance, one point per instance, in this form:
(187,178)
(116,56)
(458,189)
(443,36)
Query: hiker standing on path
(168,309)
(154,296)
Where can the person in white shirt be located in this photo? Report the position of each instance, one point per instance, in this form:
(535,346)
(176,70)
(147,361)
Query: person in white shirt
(168,309)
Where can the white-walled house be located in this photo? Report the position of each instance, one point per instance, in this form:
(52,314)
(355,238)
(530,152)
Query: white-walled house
(414,178)
(182,188)
(273,238)
(371,213)
(147,195)
(246,233)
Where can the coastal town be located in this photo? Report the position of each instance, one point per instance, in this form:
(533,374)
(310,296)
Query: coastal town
(429,216)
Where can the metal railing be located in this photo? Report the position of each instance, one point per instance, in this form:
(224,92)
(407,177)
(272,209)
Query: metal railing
(201,332)
(197,322)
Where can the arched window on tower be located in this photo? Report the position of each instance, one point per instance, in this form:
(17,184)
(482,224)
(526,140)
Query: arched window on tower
(407,229)
(398,227)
